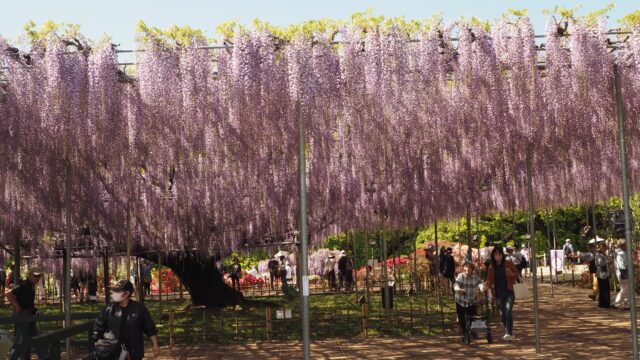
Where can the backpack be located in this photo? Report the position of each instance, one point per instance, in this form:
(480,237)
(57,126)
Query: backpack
(567,250)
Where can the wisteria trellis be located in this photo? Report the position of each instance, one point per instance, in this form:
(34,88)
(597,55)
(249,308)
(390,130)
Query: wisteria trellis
(203,153)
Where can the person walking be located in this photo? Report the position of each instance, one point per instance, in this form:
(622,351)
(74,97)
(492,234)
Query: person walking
(449,266)
(465,287)
(342,270)
(523,263)
(501,276)
(289,270)
(126,320)
(589,258)
(330,271)
(603,274)
(22,299)
(75,285)
(146,278)
(282,271)
(273,272)
(3,281)
(567,249)
(235,274)
(622,267)
(433,265)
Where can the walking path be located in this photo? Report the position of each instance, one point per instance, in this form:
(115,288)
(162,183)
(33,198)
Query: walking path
(571,327)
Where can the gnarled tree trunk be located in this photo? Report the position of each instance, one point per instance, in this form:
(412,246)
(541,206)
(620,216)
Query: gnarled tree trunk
(201,277)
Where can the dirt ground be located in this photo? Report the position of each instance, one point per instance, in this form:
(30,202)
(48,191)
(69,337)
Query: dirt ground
(571,327)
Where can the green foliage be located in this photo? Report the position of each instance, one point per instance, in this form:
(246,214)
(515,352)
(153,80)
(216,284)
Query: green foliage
(485,24)
(178,36)
(630,21)
(517,13)
(570,14)
(290,293)
(368,244)
(562,11)
(366,20)
(35,35)
(246,260)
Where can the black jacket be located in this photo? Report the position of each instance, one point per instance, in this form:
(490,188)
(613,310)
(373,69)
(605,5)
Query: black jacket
(448,266)
(139,322)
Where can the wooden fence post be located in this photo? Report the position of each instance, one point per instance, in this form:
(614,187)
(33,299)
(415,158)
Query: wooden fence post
(268,317)
(171,328)
(363,309)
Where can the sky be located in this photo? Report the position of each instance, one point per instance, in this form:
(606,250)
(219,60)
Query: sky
(117,18)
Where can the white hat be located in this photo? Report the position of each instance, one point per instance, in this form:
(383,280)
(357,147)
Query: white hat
(343,252)
(592,242)
(568,240)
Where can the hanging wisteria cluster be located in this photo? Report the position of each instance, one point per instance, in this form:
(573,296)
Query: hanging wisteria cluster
(199,149)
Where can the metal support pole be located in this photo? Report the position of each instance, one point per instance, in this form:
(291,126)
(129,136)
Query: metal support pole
(105,280)
(478,238)
(553,230)
(469,253)
(529,160)
(128,260)
(549,244)
(385,277)
(414,275)
(67,258)
(304,294)
(354,273)
(160,282)
(16,257)
(627,211)
(367,281)
(437,252)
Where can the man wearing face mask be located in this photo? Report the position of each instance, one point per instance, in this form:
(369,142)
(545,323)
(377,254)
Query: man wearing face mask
(22,299)
(136,317)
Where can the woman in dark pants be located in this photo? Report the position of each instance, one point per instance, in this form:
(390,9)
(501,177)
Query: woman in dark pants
(602,273)
(501,276)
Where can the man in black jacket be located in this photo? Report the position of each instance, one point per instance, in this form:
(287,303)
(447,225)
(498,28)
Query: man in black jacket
(22,299)
(137,319)
(449,266)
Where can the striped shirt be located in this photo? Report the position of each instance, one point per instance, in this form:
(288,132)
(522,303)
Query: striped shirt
(469,284)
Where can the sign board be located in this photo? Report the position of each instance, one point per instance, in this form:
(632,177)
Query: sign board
(305,286)
(557,260)
(283,314)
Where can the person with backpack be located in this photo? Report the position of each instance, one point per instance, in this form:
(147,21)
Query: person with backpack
(523,263)
(567,249)
(121,324)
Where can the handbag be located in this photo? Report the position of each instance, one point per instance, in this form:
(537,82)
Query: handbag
(624,274)
(521,291)
(110,347)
